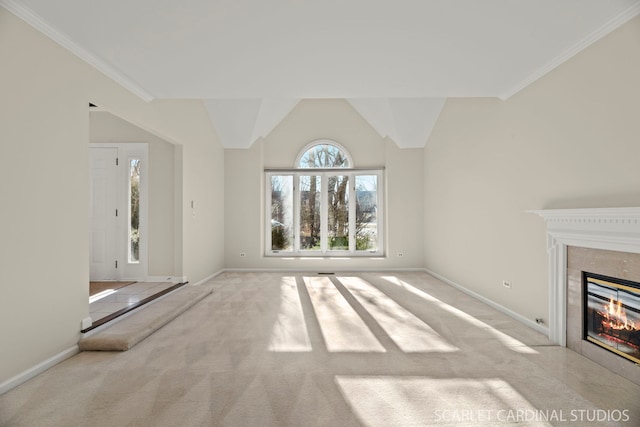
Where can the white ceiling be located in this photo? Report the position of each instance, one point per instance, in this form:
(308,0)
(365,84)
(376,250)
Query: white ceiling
(395,61)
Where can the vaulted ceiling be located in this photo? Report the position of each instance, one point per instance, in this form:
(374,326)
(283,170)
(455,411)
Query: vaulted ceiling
(396,62)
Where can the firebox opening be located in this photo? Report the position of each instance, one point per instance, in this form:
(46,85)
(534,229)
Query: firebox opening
(612,314)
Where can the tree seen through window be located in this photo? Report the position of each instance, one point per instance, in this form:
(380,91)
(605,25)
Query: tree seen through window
(315,209)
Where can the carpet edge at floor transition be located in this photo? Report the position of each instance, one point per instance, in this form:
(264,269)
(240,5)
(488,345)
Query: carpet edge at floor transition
(128,332)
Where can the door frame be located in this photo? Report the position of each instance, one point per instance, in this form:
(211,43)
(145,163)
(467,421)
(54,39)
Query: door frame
(126,151)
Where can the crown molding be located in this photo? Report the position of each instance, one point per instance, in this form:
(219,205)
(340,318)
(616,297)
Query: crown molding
(600,32)
(588,215)
(63,40)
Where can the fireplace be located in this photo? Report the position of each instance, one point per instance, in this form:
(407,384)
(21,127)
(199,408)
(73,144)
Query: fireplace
(612,314)
(606,242)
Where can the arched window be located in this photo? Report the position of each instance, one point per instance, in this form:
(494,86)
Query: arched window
(323,154)
(324,206)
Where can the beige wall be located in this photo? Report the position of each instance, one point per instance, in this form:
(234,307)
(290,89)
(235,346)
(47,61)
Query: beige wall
(105,127)
(569,140)
(44,130)
(308,121)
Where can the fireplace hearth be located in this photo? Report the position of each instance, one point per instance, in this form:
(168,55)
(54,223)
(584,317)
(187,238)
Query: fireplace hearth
(612,314)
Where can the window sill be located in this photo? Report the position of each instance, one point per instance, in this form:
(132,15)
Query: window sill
(325,256)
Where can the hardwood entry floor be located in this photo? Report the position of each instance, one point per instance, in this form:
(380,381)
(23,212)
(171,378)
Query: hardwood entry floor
(96,288)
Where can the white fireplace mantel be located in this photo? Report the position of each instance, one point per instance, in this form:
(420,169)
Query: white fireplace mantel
(615,229)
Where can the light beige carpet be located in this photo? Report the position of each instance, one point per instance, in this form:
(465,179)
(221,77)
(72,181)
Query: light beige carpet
(128,332)
(290,349)
(97,287)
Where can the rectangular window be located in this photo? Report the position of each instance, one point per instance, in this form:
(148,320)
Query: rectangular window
(310,201)
(324,213)
(338,207)
(282,212)
(367,213)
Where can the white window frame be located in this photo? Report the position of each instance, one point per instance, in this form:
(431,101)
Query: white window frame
(322,142)
(352,173)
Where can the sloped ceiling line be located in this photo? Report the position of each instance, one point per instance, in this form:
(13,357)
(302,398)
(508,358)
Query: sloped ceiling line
(407,121)
(240,122)
(585,42)
(63,40)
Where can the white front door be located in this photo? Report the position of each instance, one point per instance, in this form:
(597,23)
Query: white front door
(103,249)
(119,239)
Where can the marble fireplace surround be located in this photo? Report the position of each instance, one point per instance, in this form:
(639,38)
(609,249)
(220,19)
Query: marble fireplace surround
(602,241)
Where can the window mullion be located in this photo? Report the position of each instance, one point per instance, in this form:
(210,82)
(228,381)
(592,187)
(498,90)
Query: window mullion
(352,212)
(296,213)
(324,213)
(267,216)
(380,193)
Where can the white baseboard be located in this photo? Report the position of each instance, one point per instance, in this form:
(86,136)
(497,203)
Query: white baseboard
(200,282)
(316,270)
(155,279)
(528,322)
(172,279)
(38,369)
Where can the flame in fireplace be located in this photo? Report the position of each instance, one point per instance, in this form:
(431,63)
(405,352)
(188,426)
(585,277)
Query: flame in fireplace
(616,318)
